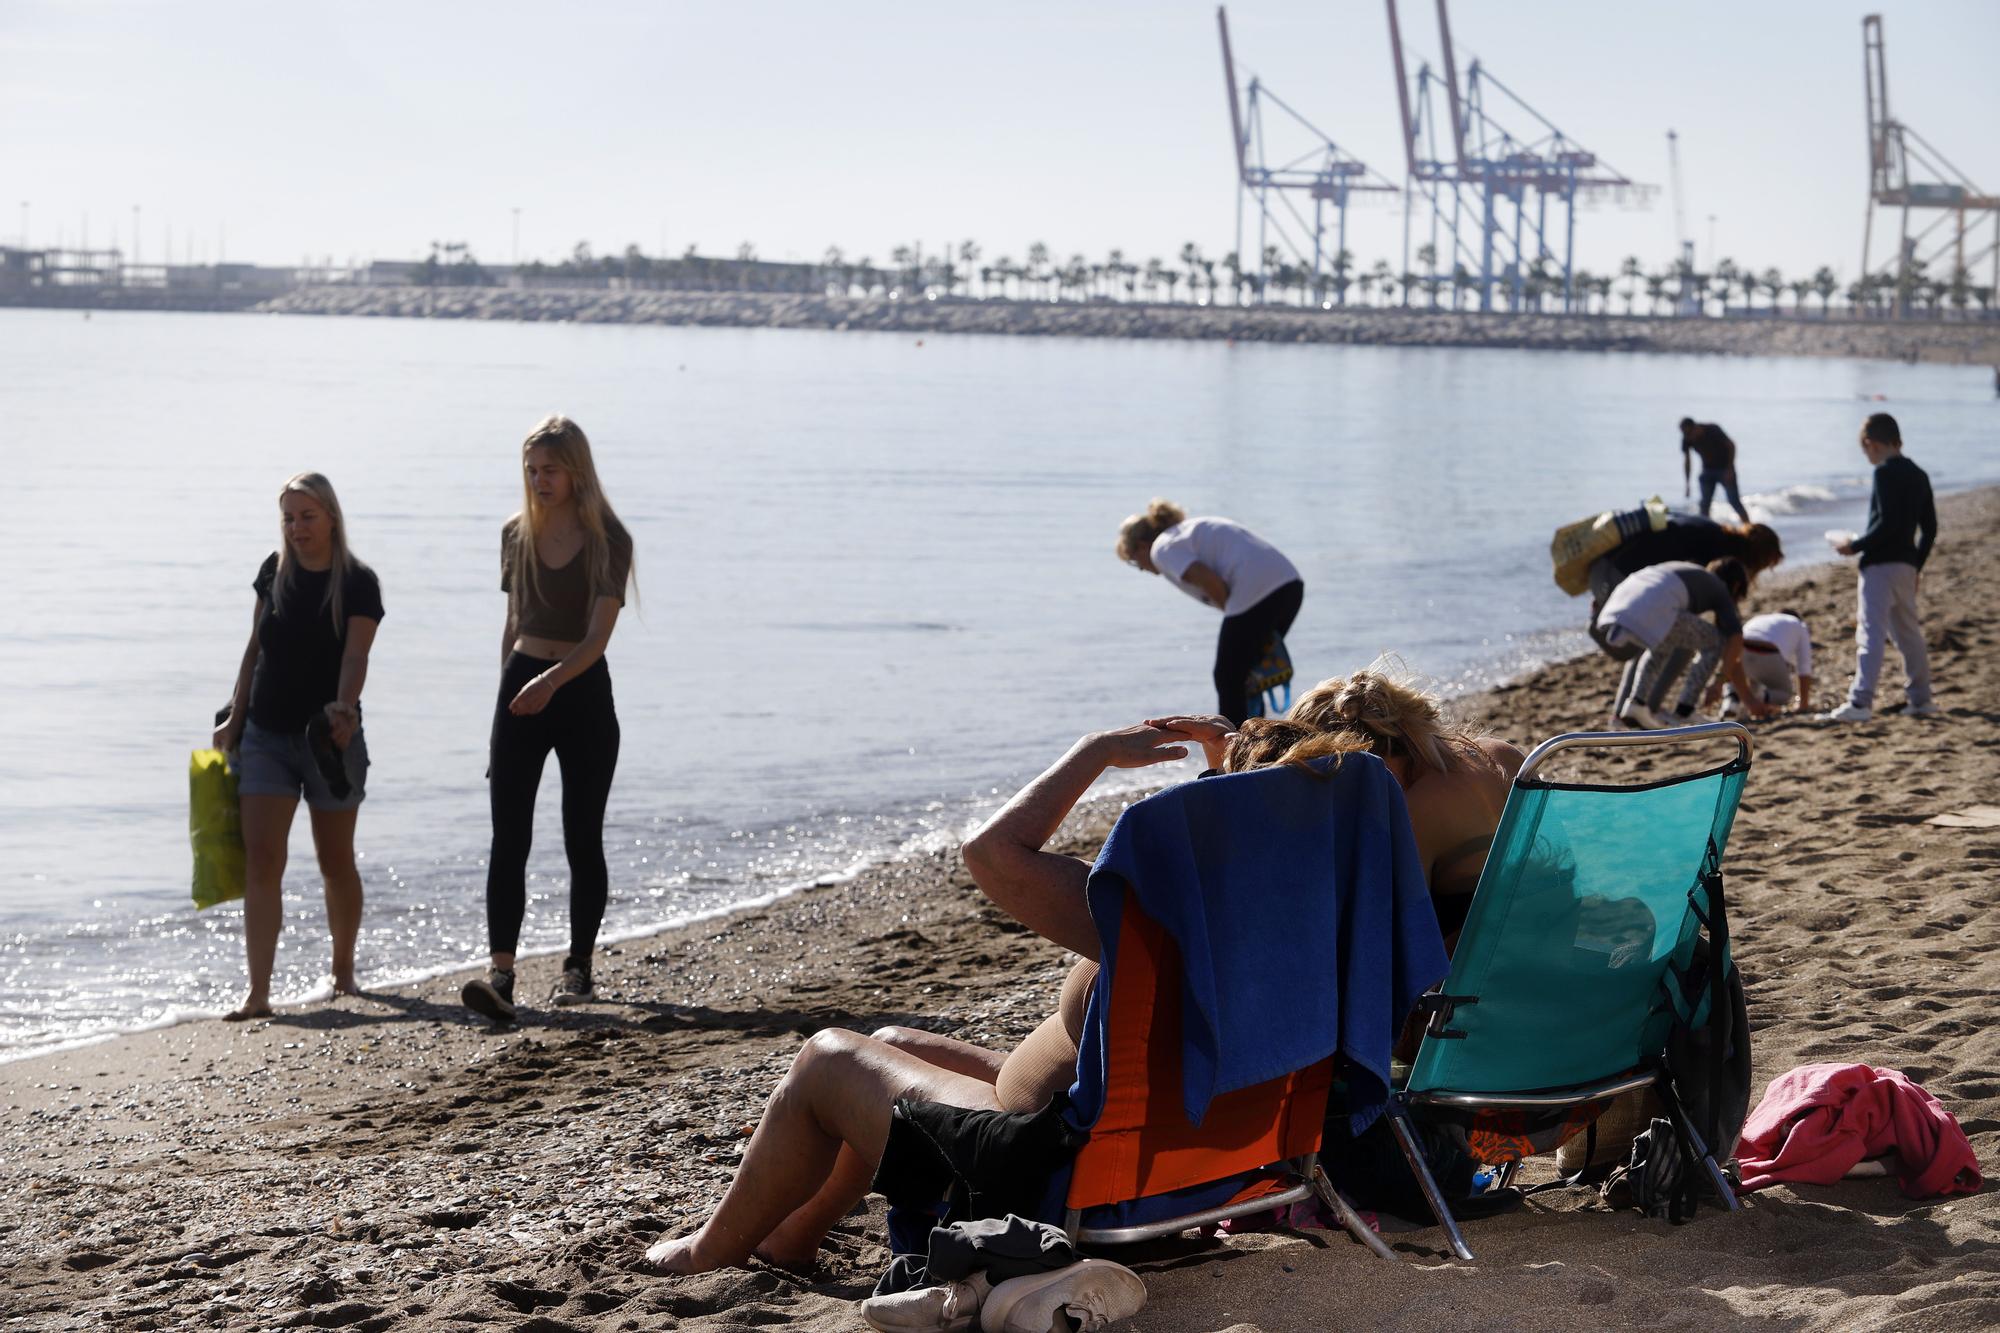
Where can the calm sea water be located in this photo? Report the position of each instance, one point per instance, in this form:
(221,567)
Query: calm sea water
(877,588)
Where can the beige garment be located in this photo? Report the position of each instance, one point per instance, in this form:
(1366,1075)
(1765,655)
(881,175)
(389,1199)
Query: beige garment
(1045,1062)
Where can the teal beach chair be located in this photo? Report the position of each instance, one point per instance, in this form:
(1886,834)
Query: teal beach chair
(1585,947)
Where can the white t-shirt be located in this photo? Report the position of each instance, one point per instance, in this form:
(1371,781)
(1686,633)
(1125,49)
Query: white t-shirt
(1788,634)
(1252,568)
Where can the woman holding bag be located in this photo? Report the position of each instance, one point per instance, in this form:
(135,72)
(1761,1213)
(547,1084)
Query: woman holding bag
(294,726)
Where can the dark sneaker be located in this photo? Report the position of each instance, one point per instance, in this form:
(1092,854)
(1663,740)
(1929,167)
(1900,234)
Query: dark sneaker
(574,988)
(491,995)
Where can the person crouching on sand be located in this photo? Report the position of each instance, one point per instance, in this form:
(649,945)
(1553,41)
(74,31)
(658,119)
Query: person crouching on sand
(1653,623)
(1226,566)
(826,1124)
(294,726)
(564,562)
(1777,659)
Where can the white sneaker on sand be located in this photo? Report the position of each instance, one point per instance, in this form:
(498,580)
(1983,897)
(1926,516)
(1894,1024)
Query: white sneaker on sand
(1087,1295)
(1847,713)
(1636,714)
(1922,710)
(1688,720)
(955,1305)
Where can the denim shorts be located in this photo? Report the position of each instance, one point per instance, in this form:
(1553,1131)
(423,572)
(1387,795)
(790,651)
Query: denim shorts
(278,763)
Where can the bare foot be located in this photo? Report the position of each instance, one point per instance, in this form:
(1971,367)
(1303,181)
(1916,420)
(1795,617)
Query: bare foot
(345,984)
(676,1256)
(799,1265)
(256,1007)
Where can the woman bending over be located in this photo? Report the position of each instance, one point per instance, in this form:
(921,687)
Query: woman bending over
(824,1128)
(294,726)
(1224,565)
(564,562)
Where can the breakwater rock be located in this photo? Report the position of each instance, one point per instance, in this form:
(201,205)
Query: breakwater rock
(1970,342)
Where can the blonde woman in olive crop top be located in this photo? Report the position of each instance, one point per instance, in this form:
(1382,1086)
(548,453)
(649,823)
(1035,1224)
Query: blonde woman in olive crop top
(564,562)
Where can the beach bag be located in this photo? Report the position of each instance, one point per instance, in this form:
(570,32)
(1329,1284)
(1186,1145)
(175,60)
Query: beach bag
(1575,547)
(215,829)
(1269,689)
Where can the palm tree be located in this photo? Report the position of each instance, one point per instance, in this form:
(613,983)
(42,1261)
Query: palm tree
(1208,277)
(1114,266)
(1461,281)
(1825,285)
(1800,288)
(1725,278)
(1038,262)
(1656,290)
(1584,284)
(1235,268)
(1634,273)
(1385,278)
(1191,262)
(1343,260)
(1427,255)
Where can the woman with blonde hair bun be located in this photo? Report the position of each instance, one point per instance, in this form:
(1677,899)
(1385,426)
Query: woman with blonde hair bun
(1221,564)
(564,562)
(1454,783)
(293,726)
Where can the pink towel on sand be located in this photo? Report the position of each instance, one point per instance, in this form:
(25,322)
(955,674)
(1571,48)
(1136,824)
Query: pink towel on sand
(1816,1122)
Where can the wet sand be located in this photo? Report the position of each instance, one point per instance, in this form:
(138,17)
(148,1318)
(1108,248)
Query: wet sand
(390,1161)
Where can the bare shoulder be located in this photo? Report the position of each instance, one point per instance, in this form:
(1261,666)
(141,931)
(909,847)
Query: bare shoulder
(1501,754)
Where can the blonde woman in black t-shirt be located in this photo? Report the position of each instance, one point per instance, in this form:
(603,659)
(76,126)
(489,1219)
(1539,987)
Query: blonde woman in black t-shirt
(564,562)
(294,726)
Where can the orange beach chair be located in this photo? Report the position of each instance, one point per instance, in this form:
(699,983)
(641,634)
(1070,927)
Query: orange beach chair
(1146,1171)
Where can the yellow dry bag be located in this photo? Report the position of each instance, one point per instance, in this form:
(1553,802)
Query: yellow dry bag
(215,828)
(1578,544)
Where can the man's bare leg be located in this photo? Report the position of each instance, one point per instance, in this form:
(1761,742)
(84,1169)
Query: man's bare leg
(839,1093)
(794,1243)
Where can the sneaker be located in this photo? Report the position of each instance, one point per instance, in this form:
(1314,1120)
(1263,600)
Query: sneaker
(955,1305)
(1689,719)
(1847,713)
(1922,710)
(1091,1292)
(491,995)
(1636,714)
(574,988)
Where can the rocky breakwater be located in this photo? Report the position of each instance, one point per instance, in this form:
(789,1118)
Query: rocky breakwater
(1958,343)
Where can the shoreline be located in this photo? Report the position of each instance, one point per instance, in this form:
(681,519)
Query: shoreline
(390,1161)
(1564,642)
(1967,342)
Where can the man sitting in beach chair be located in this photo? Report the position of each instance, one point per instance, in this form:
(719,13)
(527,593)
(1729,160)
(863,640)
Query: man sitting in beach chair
(824,1128)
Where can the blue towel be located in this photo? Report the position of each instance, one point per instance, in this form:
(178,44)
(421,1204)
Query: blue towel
(1303,920)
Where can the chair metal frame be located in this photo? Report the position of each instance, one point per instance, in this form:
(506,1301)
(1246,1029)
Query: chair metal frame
(1309,1181)
(1653,1075)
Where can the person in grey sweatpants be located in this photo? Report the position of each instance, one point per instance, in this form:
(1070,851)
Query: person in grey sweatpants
(1902,527)
(1653,623)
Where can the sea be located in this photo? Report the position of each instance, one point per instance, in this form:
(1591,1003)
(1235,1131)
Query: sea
(876,584)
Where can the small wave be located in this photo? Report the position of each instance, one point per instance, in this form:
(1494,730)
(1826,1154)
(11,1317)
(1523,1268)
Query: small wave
(872,626)
(1801,499)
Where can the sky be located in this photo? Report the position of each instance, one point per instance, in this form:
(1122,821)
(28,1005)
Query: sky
(277,133)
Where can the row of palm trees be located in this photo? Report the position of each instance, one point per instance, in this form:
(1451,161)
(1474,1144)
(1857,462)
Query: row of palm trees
(958,271)
(1676,288)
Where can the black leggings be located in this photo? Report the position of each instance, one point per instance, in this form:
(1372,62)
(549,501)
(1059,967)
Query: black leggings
(581,726)
(1240,647)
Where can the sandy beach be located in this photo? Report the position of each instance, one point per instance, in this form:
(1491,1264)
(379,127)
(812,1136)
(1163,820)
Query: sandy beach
(391,1162)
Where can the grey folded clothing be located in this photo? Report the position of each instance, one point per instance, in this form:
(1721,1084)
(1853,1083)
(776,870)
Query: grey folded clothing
(1000,1247)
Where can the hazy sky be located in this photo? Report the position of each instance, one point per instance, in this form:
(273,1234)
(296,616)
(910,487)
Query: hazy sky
(368,129)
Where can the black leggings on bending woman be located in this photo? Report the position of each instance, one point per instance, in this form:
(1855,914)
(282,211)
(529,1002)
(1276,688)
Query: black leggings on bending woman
(1240,647)
(581,726)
